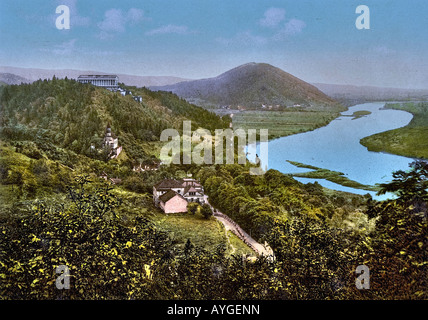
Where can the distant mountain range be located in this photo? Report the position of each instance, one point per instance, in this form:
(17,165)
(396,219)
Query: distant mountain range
(9,78)
(28,75)
(356,94)
(251,85)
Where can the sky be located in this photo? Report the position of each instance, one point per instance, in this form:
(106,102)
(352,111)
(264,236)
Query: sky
(315,40)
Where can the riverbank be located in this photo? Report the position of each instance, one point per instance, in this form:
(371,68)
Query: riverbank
(409,141)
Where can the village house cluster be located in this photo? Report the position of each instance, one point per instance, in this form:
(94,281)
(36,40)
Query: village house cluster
(172,195)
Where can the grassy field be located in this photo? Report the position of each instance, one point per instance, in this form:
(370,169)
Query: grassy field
(333,176)
(201,232)
(409,141)
(182,226)
(283,123)
(206,233)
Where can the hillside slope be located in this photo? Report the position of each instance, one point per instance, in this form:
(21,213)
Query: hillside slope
(9,78)
(71,116)
(251,85)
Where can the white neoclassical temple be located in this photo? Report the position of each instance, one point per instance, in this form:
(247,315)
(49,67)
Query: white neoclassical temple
(106,81)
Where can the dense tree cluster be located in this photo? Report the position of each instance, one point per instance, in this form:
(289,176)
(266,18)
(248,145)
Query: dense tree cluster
(106,257)
(256,201)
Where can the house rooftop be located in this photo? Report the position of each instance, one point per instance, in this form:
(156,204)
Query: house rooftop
(168,184)
(191,189)
(168,196)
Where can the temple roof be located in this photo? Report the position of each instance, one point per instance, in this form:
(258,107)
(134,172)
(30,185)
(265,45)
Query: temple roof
(99,76)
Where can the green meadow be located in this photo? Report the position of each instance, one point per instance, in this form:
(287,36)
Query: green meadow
(283,123)
(409,141)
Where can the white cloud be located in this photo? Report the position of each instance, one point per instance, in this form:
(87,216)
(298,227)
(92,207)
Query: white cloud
(272,17)
(135,15)
(290,28)
(115,21)
(294,26)
(170,29)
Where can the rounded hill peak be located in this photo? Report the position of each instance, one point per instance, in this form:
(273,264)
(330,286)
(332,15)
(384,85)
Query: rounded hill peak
(251,85)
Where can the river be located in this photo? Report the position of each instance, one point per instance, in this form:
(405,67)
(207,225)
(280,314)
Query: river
(337,147)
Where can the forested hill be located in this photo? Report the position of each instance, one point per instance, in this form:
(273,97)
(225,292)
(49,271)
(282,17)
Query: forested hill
(72,116)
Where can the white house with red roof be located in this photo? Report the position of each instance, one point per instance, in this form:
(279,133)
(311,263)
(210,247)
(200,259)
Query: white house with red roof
(169,194)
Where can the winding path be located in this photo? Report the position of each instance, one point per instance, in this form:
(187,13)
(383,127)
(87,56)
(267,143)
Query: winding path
(231,225)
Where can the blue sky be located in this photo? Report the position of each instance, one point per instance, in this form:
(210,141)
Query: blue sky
(315,40)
